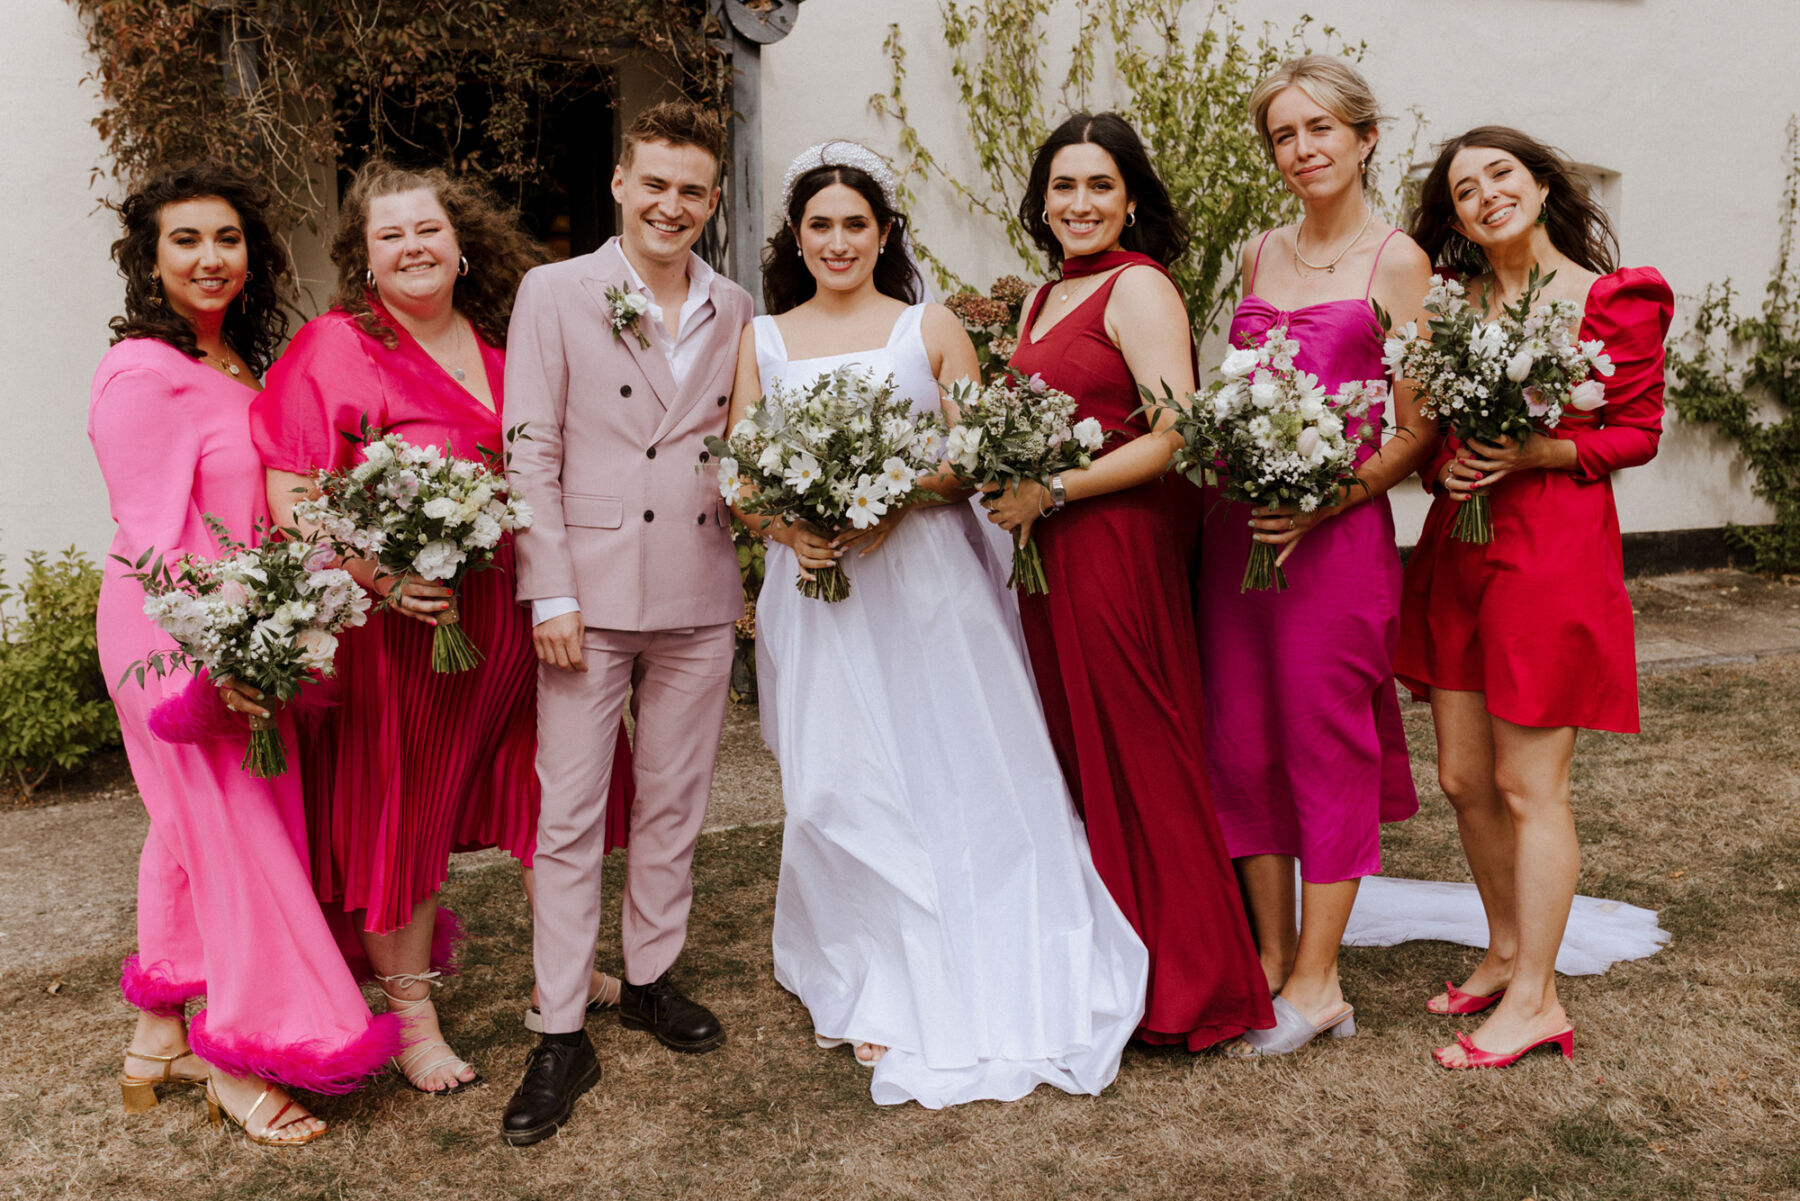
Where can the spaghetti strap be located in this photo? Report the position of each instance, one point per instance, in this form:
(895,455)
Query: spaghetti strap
(1370,286)
(1256,263)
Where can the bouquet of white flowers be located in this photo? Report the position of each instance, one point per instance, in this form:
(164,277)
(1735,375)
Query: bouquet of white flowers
(1016,429)
(414,509)
(1274,437)
(839,452)
(1487,379)
(267,616)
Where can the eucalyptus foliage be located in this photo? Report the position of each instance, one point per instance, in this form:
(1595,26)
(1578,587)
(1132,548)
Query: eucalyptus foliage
(1742,373)
(1180,71)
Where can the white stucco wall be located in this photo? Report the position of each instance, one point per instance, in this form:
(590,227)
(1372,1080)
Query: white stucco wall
(1686,101)
(62,286)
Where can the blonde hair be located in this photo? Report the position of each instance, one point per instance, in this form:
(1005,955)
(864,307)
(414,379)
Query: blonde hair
(1330,82)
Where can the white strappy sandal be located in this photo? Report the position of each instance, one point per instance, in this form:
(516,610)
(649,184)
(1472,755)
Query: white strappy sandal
(411,1053)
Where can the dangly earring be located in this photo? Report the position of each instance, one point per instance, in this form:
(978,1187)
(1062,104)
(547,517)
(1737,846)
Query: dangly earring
(156,296)
(1543,211)
(462,264)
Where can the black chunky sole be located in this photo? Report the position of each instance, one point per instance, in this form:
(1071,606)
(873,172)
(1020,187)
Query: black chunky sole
(693,1048)
(537,1134)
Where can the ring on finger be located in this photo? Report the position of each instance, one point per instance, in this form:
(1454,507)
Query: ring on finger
(1290,523)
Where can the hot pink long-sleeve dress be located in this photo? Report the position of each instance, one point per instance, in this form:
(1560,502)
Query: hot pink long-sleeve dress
(225,907)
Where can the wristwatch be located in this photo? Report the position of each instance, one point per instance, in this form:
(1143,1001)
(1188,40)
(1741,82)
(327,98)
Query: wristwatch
(1058,497)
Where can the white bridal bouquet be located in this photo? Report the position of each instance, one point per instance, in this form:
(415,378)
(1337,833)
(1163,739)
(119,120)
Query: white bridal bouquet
(415,510)
(267,616)
(1273,436)
(838,453)
(1018,428)
(1511,376)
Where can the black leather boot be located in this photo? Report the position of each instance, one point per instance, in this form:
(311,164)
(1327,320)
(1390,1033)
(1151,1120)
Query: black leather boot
(560,1069)
(660,1008)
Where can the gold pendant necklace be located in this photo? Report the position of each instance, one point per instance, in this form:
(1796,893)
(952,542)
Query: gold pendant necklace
(1331,267)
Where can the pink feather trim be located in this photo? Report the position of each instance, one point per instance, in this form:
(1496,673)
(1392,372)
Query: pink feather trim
(198,714)
(154,989)
(311,1064)
(195,714)
(446,938)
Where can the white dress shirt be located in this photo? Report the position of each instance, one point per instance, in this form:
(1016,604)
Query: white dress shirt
(680,351)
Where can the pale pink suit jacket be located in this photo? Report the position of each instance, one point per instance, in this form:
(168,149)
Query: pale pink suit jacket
(627,516)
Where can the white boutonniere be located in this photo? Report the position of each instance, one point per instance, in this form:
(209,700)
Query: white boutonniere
(627,313)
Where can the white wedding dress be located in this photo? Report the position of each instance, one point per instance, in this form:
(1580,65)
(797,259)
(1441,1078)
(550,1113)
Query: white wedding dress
(937,895)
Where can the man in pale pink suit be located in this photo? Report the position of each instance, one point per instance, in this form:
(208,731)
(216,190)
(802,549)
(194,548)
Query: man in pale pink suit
(633,582)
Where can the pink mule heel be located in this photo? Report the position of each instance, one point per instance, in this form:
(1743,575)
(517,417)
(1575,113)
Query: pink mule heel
(1475,1057)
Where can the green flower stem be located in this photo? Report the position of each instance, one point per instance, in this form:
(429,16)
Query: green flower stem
(1474,520)
(1261,573)
(266,756)
(451,650)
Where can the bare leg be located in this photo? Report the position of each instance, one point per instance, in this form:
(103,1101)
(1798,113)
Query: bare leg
(407,952)
(1267,882)
(1465,738)
(1312,987)
(601,987)
(1531,771)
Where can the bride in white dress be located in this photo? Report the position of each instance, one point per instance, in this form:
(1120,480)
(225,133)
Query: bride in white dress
(938,907)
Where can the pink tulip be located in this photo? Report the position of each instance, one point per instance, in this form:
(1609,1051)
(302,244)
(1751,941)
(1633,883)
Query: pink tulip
(1588,395)
(1308,442)
(233,593)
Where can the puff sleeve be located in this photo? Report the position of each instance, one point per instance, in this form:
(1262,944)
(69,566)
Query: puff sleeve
(321,389)
(1630,311)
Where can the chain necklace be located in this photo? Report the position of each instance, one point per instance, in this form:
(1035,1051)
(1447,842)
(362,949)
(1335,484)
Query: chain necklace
(456,353)
(231,369)
(1332,265)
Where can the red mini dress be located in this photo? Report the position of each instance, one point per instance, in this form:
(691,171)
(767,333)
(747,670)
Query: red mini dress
(1537,620)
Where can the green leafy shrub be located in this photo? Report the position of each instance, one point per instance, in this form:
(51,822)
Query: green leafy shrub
(1742,374)
(751,557)
(54,710)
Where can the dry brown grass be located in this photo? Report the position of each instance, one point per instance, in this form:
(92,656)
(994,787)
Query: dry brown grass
(1684,1085)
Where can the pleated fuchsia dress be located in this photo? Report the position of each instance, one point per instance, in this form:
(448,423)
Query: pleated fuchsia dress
(224,906)
(411,764)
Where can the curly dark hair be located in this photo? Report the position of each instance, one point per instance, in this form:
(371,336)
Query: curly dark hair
(787,282)
(1159,230)
(487,229)
(257,323)
(1577,224)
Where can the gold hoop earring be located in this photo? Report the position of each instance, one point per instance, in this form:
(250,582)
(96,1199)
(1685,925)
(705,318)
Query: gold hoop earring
(369,278)
(1046,216)
(462,265)
(1131,219)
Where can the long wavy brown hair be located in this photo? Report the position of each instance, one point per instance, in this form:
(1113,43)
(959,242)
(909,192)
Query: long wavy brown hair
(1578,226)
(257,322)
(487,229)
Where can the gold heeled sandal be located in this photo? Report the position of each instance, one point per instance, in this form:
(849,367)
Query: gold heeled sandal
(271,1131)
(139,1092)
(410,1053)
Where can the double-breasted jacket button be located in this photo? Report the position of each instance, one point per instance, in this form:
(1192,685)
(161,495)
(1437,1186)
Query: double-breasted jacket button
(704,456)
(651,453)
(624,389)
(721,402)
(649,515)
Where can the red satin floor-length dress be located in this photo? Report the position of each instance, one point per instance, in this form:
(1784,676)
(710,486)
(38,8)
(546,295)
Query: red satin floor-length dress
(410,764)
(1538,620)
(1112,646)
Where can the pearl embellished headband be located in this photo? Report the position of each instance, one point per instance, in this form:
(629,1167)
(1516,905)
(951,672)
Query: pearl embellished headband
(840,153)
